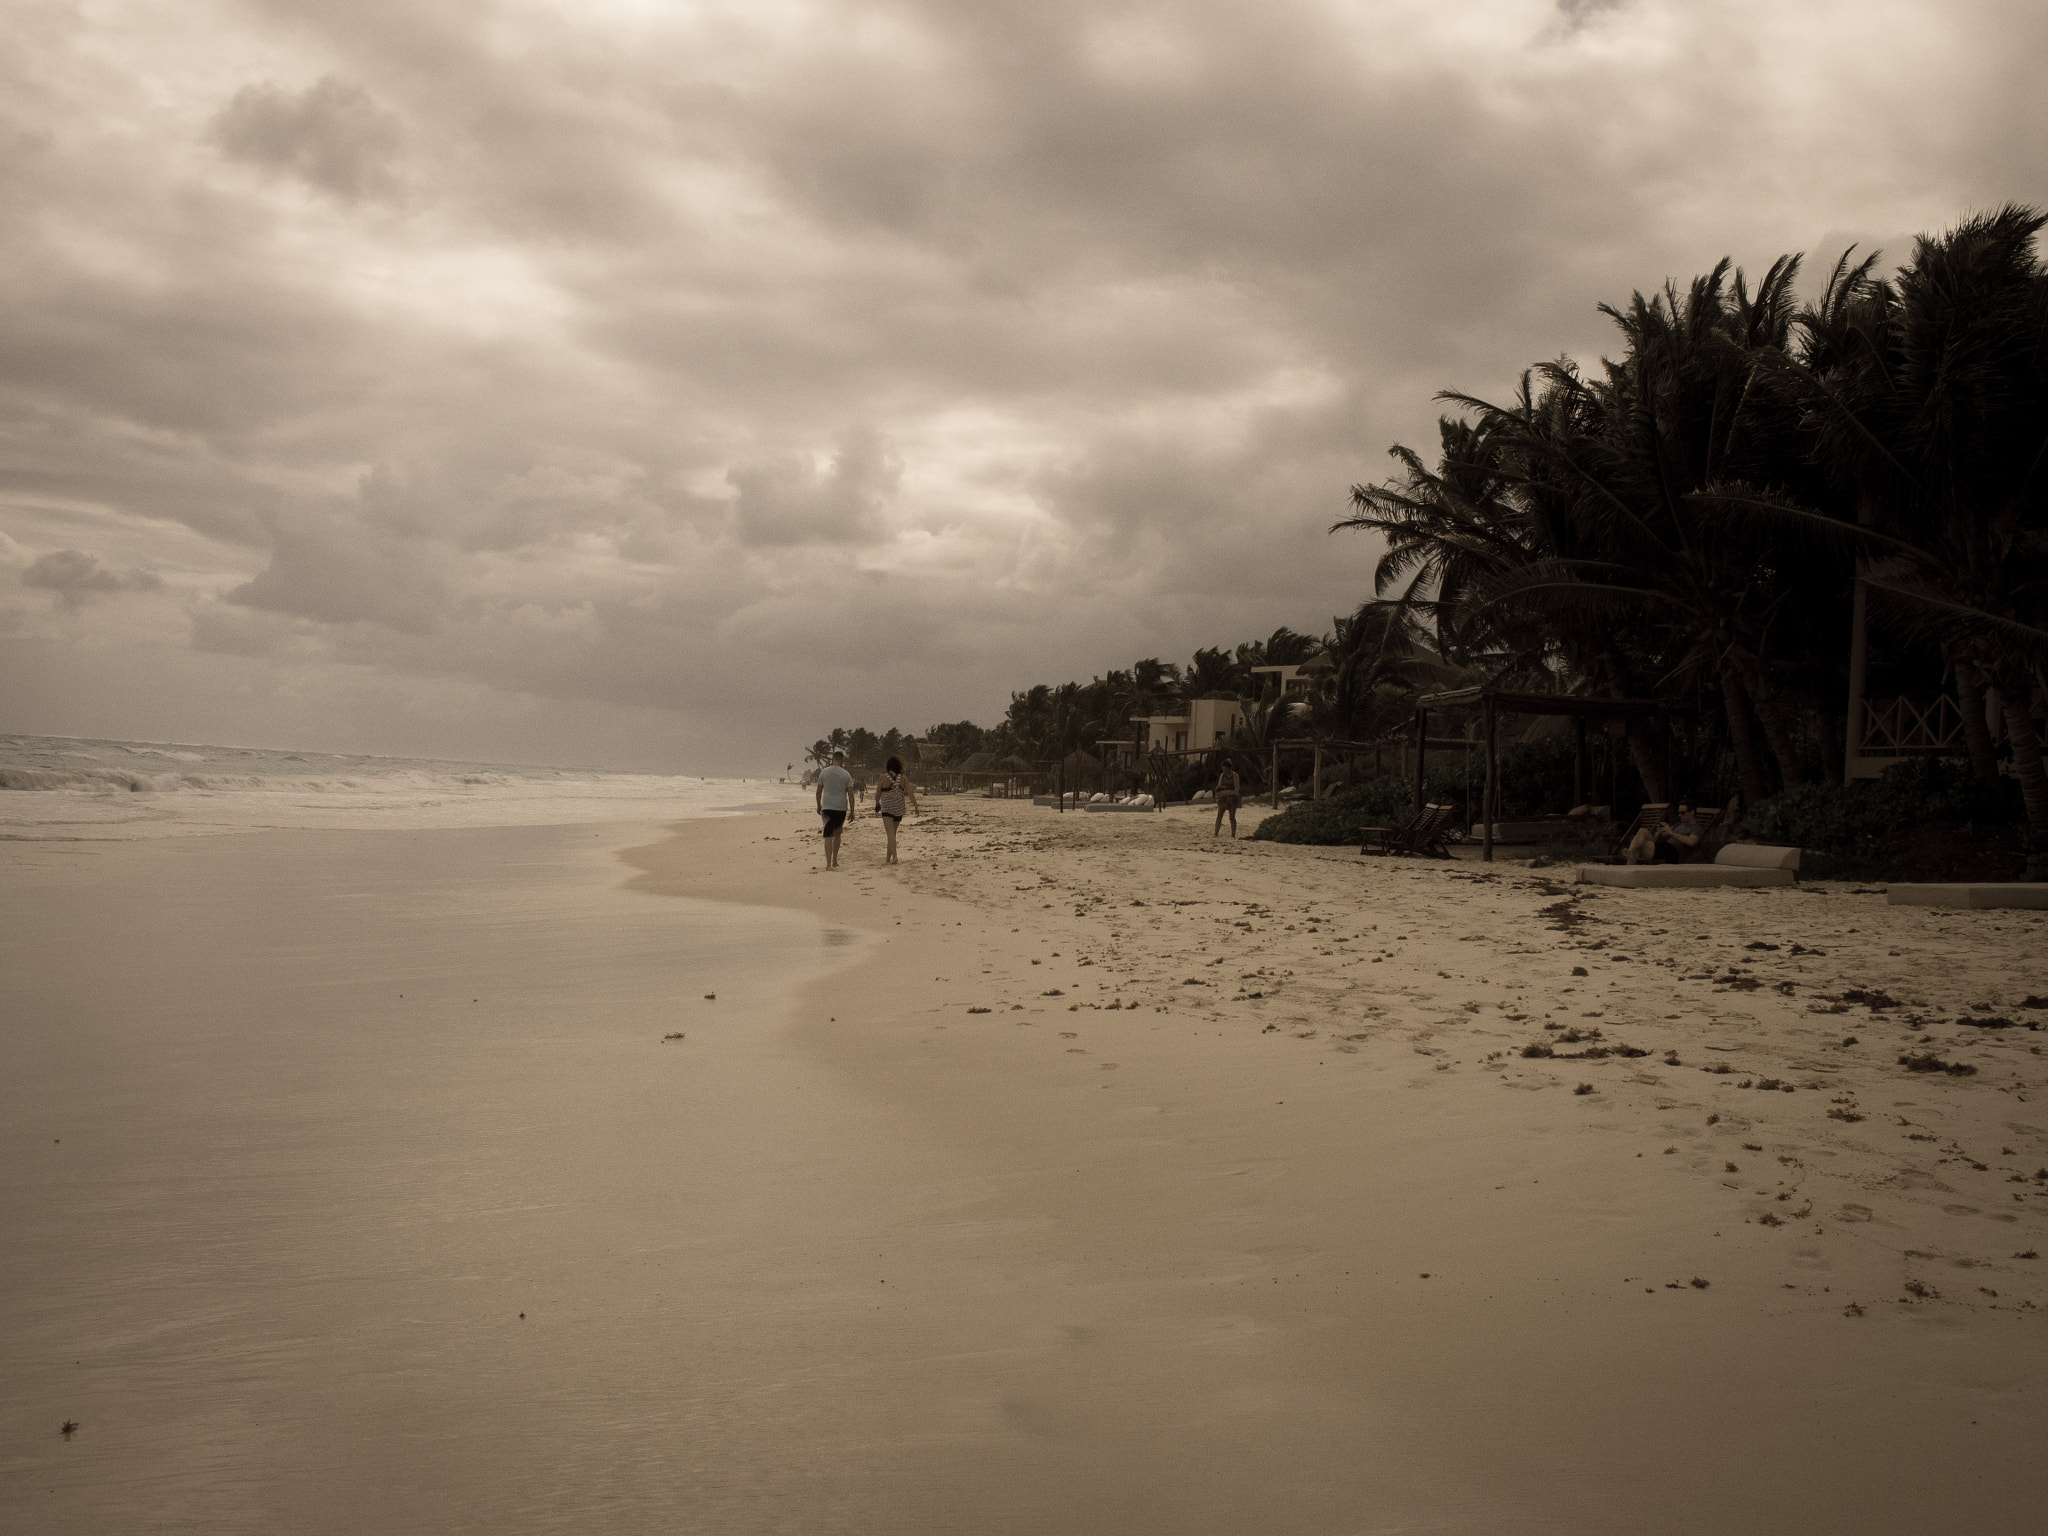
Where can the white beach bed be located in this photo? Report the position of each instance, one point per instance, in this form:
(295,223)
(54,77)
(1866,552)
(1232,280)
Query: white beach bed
(1736,864)
(1980,896)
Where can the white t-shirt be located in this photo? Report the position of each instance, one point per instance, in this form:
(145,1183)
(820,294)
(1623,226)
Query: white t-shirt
(833,783)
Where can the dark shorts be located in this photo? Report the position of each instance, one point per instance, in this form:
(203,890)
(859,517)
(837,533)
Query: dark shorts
(1226,802)
(1669,853)
(892,820)
(834,820)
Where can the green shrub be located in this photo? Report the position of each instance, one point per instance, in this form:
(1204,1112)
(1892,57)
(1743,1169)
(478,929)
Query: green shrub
(1387,801)
(1869,814)
(1893,827)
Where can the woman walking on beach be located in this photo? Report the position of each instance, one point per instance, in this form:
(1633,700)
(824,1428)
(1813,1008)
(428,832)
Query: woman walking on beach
(1228,795)
(891,790)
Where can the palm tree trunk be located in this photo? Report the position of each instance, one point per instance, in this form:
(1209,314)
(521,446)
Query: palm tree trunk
(1824,719)
(1773,709)
(1649,762)
(2025,737)
(1830,745)
(1734,699)
(1970,697)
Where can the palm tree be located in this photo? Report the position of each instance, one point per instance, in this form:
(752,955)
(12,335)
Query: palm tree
(1578,535)
(1455,532)
(1929,399)
(1031,723)
(1213,672)
(1264,722)
(1376,674)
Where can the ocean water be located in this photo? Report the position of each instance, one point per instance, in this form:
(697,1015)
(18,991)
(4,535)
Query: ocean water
(364,1182)
(61,787)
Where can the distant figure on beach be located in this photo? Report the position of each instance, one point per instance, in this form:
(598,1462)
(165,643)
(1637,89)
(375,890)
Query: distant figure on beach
(833,783)
(891,790)
(1228,797)
(1670,843)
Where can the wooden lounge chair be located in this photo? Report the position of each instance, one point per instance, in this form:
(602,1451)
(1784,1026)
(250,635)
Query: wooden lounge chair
(1370,835)
(1657,814)
(1648,819)
(1706,817)
(1423,836)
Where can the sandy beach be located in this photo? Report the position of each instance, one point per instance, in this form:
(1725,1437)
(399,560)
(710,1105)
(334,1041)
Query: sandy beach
(1344,1257)
(1080,1173)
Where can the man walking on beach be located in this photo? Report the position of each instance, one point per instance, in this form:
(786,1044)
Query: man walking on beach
(833,783)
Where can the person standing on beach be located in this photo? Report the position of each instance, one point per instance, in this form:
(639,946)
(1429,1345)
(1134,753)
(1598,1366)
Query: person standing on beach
(891,789)
(833,783)
(1228,796)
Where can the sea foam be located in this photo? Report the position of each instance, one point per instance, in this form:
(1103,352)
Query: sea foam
(65,787)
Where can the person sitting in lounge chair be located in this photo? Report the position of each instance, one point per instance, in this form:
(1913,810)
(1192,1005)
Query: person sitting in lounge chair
(1671,843)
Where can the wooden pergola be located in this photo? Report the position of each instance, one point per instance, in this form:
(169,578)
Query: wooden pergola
(1494,702)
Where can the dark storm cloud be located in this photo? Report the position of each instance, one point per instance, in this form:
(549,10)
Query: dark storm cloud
(687,358)
(75,576)
(345,571)
(1579,12)
(332,134)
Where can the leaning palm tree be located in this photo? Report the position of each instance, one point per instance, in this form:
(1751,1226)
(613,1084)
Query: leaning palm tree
(1212,672)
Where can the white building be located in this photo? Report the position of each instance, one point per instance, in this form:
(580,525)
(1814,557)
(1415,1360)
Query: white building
(1207,723)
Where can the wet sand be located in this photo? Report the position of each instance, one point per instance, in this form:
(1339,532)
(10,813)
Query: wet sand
(1291,1239)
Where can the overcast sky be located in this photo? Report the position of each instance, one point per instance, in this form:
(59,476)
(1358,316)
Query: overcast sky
(652,383)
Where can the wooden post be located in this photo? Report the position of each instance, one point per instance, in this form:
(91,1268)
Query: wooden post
(1375,757)
(1276,777)
(1578,761)
(1059,787)
(1859,675)
(1486,794)
(1670,783)
(1421,745)
(1316,785)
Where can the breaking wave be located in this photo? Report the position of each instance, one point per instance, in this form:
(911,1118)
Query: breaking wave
(62,787)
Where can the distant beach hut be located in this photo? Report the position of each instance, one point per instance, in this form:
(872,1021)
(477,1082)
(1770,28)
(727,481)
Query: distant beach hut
(1079,768)
(970,772)
(1018,772)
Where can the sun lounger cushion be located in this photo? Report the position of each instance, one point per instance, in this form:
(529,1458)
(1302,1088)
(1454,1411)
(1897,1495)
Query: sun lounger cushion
(1989,895)
(1681,876)
(1757,856)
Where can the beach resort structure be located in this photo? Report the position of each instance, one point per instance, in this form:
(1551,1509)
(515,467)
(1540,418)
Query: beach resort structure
(1297,682)
(1207,723)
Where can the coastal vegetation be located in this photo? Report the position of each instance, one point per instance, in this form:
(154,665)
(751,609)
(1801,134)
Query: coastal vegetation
(1697,520)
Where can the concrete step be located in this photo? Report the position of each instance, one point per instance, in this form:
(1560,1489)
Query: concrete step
(1979,897)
